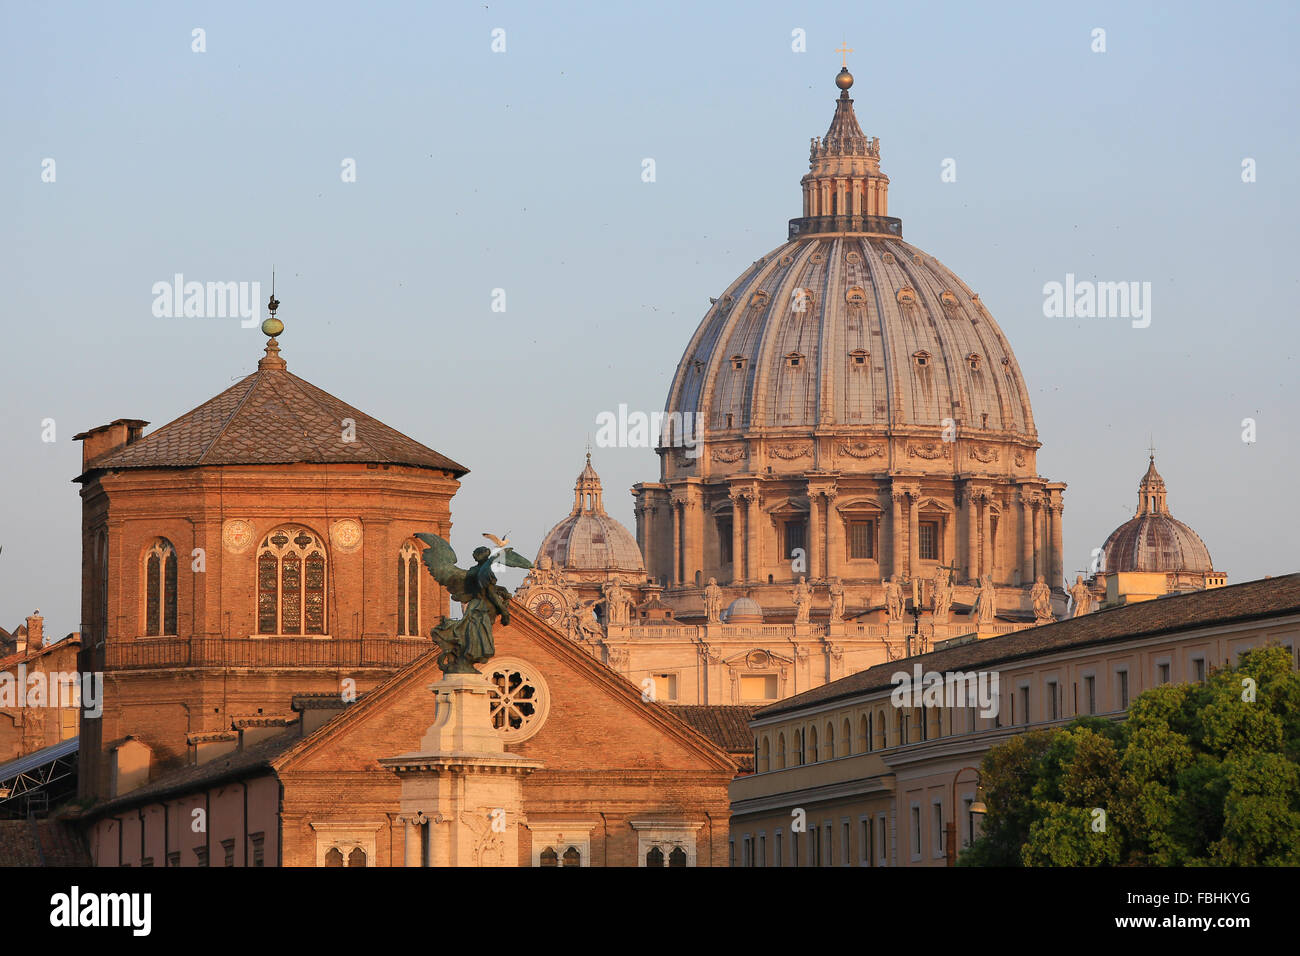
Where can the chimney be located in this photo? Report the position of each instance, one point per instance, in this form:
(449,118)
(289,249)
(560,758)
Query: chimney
(35,631)
(107,438)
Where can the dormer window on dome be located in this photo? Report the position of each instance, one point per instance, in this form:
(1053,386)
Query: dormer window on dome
(973,360)
(738,362)
(922,358)
(859,356)
(793,360)
(856,296)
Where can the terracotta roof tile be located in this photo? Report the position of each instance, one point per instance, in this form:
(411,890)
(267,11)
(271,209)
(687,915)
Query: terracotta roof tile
(273,417)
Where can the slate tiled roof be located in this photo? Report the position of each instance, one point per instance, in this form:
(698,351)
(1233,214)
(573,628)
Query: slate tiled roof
(273,417)
(1269,597)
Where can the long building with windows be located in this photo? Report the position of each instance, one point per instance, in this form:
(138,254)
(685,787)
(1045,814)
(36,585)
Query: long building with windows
(870,783)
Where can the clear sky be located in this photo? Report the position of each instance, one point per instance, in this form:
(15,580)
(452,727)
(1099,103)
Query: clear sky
(521,171)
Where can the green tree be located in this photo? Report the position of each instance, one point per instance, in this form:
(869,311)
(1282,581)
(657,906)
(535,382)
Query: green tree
(1198,774)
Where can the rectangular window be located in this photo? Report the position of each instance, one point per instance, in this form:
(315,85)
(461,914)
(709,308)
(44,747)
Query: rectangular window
(845,836)
(796,536)
(174,859)
(864,835)
(755,687)
(928,545)
(1052,708)
(665,686)
(228,852)
(1090,685)
(776,850)
(1163,671)
(762,849)
(882,844)
(829,837)
(862,540)
(1121,679)
(1198,669)
(748,851)
(1024,704)
(724,540)
(916,832)
(258,840)
(814,847)
(794,849)
(938,829)
(201,855)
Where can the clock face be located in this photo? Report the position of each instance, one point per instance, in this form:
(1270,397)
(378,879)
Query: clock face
(549,606)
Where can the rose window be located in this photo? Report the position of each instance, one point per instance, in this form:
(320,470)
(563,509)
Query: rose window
(520,698)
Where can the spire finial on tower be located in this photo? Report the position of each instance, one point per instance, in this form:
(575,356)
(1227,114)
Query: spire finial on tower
(271,328)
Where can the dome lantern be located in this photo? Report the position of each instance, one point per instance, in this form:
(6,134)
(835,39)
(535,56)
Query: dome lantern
(845,190)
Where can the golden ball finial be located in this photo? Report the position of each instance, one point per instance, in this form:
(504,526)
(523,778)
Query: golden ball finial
(844,79)
(272,327)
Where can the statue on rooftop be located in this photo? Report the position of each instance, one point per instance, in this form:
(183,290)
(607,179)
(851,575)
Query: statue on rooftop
(468,640)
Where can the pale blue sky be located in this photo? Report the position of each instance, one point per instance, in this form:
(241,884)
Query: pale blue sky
(521,171)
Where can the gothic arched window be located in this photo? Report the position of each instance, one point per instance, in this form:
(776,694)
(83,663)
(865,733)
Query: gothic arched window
(677,857)
(357,857)
(549,857)
(291,567)
(334,857)
(408,590)
(812,745)
(572,857)
(160,589)
(655,857)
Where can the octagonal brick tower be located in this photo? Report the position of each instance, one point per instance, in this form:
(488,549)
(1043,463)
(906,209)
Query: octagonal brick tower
(850,399)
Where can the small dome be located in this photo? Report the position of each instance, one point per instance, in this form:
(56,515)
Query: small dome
(744,611)
(589,539)
(1154,540)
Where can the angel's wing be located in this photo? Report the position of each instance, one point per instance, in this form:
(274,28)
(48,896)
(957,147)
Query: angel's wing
(513,559)
(440,559)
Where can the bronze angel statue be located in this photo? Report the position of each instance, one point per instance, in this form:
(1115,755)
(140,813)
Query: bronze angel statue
(468,641)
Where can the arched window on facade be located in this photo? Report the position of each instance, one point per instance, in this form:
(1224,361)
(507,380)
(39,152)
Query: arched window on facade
(780,751)
(868,742)
(765,756)
(655,857)
(334,857)
(572,857)
(677,857)
(549,857)
(160,589)
(357,857)
(828,747)
(847,745)
(408,590)
(291,567)
(812,744)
